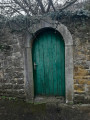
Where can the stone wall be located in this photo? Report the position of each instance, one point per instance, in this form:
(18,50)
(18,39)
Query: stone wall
(12,61)
(80,31)
(82,63)
(11,64)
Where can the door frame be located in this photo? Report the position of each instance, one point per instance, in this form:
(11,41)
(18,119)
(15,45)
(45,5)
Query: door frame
(28,70)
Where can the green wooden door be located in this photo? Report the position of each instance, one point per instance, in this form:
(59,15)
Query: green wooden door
(49,64)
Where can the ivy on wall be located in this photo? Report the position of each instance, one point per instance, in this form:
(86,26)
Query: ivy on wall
(82,14)
(23,23)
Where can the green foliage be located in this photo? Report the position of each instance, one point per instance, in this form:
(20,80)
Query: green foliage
(87,5)
(77,14)
(84,13)
(3,97)
(18,23)
(70,103)
(2,21)
(23,23)
(8,98)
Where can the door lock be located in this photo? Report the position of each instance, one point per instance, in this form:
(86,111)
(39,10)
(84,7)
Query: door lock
(35,66)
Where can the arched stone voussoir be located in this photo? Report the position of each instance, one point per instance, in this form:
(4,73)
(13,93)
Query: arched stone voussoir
(65,33)
(44,23)
(62,29)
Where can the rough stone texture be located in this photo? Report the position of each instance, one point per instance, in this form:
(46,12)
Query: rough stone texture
(80,31)
(11,65)
(12,61)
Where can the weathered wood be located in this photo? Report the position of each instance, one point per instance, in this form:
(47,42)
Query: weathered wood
(49,55)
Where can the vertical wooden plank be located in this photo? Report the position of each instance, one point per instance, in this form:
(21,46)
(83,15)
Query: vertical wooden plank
(54,64)
(41,65)
(37,67)
(56,85)
(46,59)
(62,67)
(44,63)
(51,62)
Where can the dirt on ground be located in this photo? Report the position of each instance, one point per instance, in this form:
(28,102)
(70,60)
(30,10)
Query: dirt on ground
(21,110)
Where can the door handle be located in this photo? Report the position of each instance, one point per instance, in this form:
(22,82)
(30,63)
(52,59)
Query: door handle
(35,66)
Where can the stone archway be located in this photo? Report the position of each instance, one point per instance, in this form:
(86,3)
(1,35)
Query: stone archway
(29,86)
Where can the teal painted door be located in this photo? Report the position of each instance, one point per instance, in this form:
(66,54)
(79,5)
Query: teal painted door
(49,64)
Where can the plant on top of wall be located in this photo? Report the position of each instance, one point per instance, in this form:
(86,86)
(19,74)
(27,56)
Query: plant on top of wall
(19,15)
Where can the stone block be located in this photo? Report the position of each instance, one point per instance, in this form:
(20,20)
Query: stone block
(0,86)
(1,75)
(17,54)
(8,86)
(9,92)
(13,81)
(20,81)
(1,80)
(79,99)
(79,88)
(78,77)
(82,81)
(16,48)
(81,72)
(86,77)
(21,91)
(18,86)
(75,68)
(88,52)
(88,72)
(15,92)
(88,82)
(88,57)
(88,89)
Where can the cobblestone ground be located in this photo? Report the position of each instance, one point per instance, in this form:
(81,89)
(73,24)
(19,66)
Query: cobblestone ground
(20,110)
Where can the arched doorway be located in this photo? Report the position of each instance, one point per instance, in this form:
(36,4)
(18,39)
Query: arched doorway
(48,53)
(67,37)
